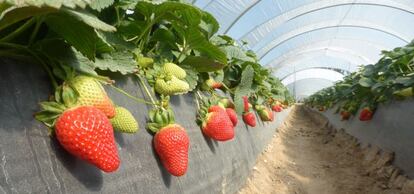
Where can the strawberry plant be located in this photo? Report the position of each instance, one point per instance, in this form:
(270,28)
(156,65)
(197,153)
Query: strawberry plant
(391,78)
(170,48)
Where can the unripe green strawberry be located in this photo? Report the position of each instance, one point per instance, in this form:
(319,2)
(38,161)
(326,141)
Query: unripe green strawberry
(86,132)
(266,114)
(145,62)
(91,93)
(174,70)
(171,87)
(124,121)
(171,144)
(226,103)
(213,84)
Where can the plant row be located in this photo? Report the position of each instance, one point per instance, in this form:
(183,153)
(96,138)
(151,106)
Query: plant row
(391,78)
(167,48)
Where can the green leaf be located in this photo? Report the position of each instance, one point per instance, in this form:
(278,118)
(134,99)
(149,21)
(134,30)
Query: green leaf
(209,24)
(59,51)
(198,42)
(75,32)
(366,82)
(191,78)
(100,4)
(406,81)
(202,64)
(234,52)
(122,62)
(51,3)
(90,20)
(243,89)
(15,14)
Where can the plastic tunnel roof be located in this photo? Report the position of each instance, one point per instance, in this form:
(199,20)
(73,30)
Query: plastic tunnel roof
(329,36)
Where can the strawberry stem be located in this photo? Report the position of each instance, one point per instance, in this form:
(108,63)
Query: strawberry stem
(146,89)
(197,102)
(199,95)
(139,100)
(18,31)
(34,55)
(228,89)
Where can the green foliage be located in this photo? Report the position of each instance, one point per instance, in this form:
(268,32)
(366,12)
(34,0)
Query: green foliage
(244,88)
(391,78)
(106,35)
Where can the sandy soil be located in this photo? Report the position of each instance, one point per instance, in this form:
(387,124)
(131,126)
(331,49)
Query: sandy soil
(309,156)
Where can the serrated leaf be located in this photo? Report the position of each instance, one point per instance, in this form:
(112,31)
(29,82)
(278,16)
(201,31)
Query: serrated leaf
(51,3)
(234,52)
(90,20)
(209,24)
(100,4)
(202,64)
(75,32)
(366,82)
(243,89)
(191,78)
(15,14)
(59,51)
(198,42)
(122,62)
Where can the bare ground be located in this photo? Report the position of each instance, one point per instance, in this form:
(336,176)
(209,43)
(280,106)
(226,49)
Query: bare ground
(308,156)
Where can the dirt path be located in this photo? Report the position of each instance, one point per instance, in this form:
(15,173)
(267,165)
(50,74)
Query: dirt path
(308,157)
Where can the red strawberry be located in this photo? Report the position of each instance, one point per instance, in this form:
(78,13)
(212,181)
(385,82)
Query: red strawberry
(249,119)
(171,144)
(366,114)
(232,115)
(277,108)
(215,108)
(217,125)
(345,115)
(87,133)
(91,93)
(246,104)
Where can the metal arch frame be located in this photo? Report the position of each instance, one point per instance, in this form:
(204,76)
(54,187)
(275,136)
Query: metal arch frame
(300,48)
(315,10)
(319,49)
(344,59)
(241,15)
(308,69)
(327,27)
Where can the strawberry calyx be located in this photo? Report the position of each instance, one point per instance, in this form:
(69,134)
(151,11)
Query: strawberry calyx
(159,117)
(226,103)
(65,98)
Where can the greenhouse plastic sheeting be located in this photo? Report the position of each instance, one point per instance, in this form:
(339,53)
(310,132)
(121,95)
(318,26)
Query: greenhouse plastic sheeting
(305,87)
(33,162)
(385,130)
(289,32)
